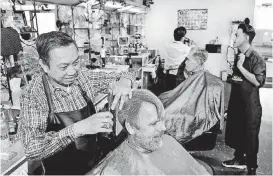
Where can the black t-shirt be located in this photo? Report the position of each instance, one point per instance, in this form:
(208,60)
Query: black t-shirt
(255,65)
(10,42)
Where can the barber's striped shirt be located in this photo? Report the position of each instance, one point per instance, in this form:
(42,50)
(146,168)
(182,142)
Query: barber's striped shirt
(34,110)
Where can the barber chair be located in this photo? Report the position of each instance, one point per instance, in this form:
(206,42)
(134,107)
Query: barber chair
(204,142)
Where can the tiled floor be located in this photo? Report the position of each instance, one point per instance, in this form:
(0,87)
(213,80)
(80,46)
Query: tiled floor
(221,152)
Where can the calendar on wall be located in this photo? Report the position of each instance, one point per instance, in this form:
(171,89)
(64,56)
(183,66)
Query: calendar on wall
(193,19)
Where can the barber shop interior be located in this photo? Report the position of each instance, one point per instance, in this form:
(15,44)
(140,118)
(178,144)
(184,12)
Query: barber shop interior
(157,87)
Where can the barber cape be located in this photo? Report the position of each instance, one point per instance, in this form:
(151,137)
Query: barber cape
(194,106)
(170,159)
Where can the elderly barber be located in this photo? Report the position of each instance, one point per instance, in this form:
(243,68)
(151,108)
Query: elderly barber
(58,119)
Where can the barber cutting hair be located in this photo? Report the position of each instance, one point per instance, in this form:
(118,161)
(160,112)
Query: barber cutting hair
(58,120)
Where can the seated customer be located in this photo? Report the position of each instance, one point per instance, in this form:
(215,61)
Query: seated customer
(193,63)
(197,103)
(147,151)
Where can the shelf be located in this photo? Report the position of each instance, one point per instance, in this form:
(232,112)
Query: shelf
(113,27)
(28,32)
(123,26)
(138,25)
(82,28)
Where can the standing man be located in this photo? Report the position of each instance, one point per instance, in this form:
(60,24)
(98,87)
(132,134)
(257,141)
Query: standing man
(58,120)
(176,53)
(245,110)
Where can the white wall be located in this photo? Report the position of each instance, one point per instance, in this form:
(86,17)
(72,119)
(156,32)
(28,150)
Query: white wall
(46,22)
(162,20)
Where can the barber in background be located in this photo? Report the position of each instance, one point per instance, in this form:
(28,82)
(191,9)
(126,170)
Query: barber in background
(176,53)
(245,110)
(59,123)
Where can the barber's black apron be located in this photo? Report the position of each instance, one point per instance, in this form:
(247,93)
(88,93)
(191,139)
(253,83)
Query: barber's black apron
(244,116)
(79,156)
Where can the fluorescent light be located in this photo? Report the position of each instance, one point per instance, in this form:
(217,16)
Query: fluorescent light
(125,8)
(136,10)
(132,9)
(113,5)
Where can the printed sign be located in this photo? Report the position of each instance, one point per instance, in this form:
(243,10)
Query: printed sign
(193,19)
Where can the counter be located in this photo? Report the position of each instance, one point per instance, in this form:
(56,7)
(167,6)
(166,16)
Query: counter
(112,68)
(13,160)
(137,61)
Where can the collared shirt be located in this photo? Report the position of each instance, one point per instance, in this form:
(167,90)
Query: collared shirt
(34,110)
(176,53)
(253,63)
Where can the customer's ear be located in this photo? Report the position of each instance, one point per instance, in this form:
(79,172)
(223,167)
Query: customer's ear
(129,128)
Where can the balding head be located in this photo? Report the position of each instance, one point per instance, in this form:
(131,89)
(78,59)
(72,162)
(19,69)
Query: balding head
(142,117)
(132,109)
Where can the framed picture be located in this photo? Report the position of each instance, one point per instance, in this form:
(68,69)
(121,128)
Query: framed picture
(123,40)
(193,19)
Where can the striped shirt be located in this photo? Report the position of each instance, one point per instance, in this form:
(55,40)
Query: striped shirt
(40,144)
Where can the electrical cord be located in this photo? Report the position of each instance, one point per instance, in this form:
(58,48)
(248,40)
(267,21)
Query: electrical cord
(229,63)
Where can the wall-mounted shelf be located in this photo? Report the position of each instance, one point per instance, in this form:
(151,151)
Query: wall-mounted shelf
(82,28)
(28,32)
(33,6)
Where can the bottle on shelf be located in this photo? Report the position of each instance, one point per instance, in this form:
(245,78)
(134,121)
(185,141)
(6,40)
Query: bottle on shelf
(216,41)
(12,124)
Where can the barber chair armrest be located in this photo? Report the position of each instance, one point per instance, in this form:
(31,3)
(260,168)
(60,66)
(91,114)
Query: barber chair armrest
(214,132)
(215,129)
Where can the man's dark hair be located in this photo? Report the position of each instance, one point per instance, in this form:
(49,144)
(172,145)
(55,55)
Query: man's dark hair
(247,29)
(179,32)
(51,40)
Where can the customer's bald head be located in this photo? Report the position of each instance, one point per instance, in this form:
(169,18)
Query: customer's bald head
(142,117)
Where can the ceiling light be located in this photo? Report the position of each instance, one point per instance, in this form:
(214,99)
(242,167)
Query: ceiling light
(136,10)
(113,5)
(125,8)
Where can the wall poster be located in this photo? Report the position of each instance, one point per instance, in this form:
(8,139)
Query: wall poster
(193,19)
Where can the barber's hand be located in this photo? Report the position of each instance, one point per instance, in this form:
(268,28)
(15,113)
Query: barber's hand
(97,123)
(241,61)
(121,90)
